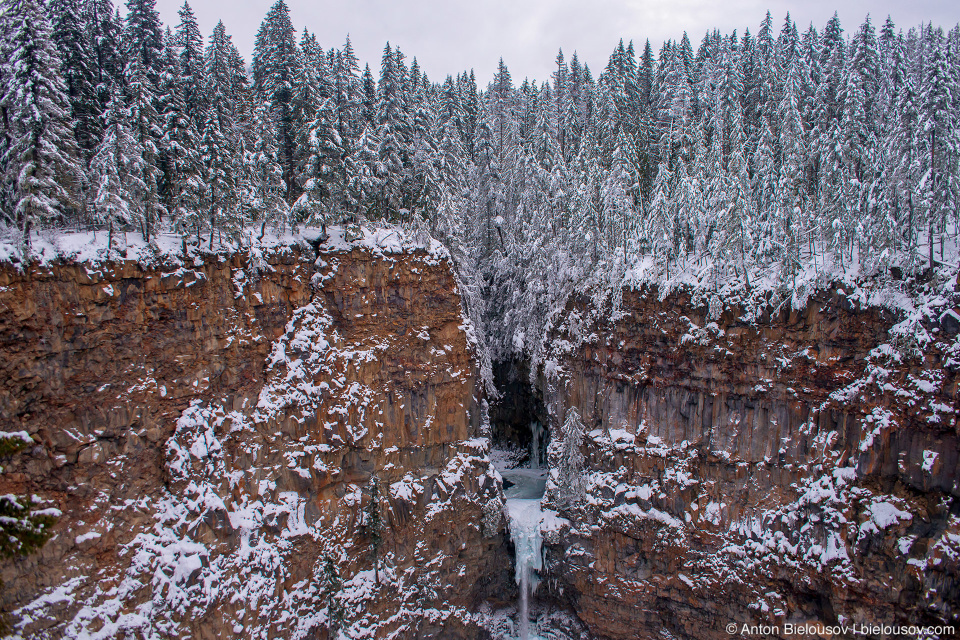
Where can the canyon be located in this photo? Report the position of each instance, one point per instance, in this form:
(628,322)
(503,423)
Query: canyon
(296,443)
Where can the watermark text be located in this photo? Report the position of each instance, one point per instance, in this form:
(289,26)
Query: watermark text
(854,628)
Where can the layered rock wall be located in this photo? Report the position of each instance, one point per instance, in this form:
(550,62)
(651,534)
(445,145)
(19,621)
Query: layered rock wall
(803,468)
(222,441)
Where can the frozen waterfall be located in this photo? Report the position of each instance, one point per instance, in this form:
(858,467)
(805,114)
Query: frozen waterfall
(523,505)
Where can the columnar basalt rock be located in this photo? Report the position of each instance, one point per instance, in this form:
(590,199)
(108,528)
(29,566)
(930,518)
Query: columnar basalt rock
(789,470)
(211,433)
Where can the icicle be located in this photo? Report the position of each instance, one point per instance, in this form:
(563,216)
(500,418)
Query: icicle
(535,445)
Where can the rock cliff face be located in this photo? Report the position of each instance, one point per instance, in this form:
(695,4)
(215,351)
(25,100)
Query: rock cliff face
(222,439)
(800,469)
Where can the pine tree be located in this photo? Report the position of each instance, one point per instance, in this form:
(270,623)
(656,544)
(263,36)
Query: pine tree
(40,162)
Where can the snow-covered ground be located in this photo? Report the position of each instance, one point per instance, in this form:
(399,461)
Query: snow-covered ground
(49,246)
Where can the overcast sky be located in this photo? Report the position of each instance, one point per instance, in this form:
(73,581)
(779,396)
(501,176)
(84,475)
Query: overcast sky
(448,36)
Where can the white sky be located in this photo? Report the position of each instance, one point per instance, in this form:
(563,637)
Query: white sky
(449,36)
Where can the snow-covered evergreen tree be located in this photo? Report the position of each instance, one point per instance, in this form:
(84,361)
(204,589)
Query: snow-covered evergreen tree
(182,180)
(143,38)
(570,481)
(77,70)
(276,67)
(41,167)
(144,121)
(118,172)
(222,186)
(104,38)
(189,44)
(265,175)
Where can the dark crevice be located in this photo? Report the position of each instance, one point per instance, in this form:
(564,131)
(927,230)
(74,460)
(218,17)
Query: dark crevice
(515,414)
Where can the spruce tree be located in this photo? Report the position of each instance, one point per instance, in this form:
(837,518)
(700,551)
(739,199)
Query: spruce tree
(77,69)
(189,44)
(276,67)
(143,38)
(41,167)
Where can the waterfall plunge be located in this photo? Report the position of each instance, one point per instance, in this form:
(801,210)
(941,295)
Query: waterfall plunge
(523,505)
(525,519)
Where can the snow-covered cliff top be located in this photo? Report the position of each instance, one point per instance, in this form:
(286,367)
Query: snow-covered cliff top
(53,246)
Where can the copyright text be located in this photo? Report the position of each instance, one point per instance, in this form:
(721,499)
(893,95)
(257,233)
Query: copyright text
(818,629)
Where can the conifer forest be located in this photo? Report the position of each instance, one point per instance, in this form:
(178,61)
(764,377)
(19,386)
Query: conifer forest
(752,155)
(299,346)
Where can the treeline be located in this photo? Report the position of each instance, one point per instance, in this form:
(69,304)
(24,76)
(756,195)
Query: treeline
(774,150)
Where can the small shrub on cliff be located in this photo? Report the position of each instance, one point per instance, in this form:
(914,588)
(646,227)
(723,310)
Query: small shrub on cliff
(332,586)
(373,525)
(571,485)
(23,530)
(23,527)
